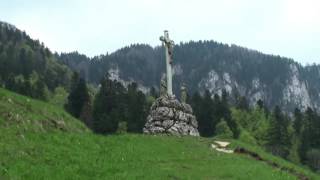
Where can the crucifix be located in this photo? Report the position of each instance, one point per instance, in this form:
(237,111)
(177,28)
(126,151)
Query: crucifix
(168,44)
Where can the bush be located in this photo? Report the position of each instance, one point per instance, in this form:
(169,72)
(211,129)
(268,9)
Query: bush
(245,136)
(313,159)
(223,130)
(122,127)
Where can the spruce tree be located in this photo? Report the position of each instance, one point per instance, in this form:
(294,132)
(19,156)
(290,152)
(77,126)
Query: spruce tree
(137,110)
(297,124)
(106,109)
(77,98)
(226,114)
(278,135)
(205,116)
(260,104)
(310,133)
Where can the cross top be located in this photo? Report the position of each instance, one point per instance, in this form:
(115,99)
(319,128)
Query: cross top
(168,43)
(166,38)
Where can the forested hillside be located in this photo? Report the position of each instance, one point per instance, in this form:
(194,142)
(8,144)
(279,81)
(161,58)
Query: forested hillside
(27,66)
(209,65)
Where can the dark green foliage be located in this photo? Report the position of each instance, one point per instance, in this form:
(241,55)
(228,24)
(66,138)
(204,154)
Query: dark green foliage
(278,135)
(313,159)
(254,122)
(298,117)
(114,104)
(210,111)
(78,96)
(137,109)
(225,112)
(222,130)
(122,127)
(260,104)
(105,108)
(242,103)
(21,58)
(310,133)
(32,86)
(86,114)
(206,119)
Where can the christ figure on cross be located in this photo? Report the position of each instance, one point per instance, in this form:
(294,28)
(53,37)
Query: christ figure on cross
(168,44)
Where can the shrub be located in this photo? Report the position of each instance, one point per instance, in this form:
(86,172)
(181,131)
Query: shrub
(122,127)
(223,130)
(313,159)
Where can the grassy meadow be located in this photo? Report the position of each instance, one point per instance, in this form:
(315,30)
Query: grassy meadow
(42,141)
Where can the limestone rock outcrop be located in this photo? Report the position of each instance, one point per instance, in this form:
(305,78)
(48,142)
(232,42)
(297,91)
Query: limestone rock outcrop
(169,116)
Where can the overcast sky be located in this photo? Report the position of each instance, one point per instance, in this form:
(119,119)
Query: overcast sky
(289,28)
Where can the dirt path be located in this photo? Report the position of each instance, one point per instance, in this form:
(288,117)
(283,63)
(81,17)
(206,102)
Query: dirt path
(222,146)
(240,150)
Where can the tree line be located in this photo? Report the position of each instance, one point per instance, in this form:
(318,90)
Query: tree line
(293,137)
(113,107)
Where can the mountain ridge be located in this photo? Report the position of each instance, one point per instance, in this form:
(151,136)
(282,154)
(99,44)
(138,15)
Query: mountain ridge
(201,65)
(210,65)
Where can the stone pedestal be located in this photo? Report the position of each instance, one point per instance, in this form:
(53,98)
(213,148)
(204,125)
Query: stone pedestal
(169,116)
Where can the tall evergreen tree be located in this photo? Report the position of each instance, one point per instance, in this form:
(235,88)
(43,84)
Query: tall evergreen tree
(226,114)
(260,104)
(310,133)
(78,97)
(137,110)
(297,125)
(278,135)
(106,107)
(204,115)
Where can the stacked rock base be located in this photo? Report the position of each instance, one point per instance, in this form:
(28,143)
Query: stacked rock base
(169,116)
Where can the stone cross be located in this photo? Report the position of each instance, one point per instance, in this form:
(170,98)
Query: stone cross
(168,44)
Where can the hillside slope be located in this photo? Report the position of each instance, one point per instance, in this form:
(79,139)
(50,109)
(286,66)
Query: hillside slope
(41,141)
(27,66)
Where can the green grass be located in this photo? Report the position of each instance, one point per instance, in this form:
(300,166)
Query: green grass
(32,146)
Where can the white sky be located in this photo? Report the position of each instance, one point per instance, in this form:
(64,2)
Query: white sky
(289,28)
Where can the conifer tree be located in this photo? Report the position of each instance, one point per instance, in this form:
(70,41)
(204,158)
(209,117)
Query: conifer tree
(105,110)
(78,97)
(226,114)
(205,115)
(297,125)
(278,135)
(260,104)
(310,133)
(136,107)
